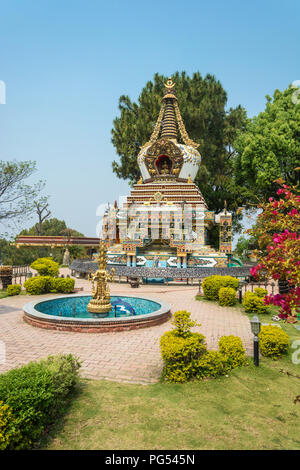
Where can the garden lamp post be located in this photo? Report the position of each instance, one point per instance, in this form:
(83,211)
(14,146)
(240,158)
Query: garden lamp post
(241,283)
(255,328)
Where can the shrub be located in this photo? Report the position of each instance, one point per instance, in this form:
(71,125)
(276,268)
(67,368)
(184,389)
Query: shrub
(38,285)
(44,284)
(36,394)
(254,304)
(211,364)
(62,285)
(185,355)
(260,292)
(183,323)
(273,341)
(232,348)
(180,348)
(212,284)
(180,355)
(45,266)
(227,296)
(9,434)
(13,289)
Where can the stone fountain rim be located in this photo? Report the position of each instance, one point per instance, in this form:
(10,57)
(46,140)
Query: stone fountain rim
(29,309)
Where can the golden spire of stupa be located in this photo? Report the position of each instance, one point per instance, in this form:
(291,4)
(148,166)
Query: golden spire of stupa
(169,121)
(169,126)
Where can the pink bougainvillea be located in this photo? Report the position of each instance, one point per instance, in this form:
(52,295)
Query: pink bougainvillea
(277,230)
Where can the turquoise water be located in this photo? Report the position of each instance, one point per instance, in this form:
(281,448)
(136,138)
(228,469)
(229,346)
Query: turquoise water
(122,307)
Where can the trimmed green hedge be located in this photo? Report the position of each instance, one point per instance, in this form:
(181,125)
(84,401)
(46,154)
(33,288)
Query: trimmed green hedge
(32,397)
(227,296)
(13,289)
(45,284)
(212,284)
(253,303)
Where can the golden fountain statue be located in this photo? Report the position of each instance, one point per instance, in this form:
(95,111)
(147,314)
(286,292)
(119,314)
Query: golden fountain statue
(100,303)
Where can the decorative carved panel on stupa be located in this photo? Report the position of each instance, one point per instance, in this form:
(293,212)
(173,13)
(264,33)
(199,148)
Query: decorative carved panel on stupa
(164,159)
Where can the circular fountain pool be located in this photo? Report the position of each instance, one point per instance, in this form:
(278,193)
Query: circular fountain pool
(69,313)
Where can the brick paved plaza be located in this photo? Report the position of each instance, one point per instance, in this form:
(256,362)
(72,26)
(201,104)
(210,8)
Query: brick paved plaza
(131,356)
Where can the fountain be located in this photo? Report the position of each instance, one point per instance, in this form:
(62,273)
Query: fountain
(99,312)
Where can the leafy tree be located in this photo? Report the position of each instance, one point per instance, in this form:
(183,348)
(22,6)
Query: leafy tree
(16,198)
(270,147)
(202,104)
(242,249)
(10,254)
(51,227)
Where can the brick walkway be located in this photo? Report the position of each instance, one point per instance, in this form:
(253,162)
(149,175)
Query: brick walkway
(131,356)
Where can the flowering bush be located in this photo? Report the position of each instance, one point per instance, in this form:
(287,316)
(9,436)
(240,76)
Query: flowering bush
(278,236)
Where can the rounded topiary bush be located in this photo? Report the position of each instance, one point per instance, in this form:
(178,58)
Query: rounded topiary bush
(13,289)
(273,341)
(232,347)
(252,303)
(62,285)
(38,285)
(227,296)
(181,348)
(260,292)
(212,284)
(45,266)
(212,364)
(45,284)
(180,355)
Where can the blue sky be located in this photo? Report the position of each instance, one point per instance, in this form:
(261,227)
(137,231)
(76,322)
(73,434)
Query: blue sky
(65,64)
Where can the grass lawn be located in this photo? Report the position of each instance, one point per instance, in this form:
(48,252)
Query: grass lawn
(253,408)
(3,294)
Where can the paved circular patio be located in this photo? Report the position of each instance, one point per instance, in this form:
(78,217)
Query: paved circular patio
(131,356)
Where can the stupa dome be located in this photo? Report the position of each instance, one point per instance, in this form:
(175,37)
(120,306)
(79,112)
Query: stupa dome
(191,162)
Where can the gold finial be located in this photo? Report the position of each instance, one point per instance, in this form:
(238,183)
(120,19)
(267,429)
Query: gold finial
(169,83)
(140,181)
(189,180)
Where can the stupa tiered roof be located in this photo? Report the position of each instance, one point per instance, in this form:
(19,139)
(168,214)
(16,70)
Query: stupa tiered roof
(175,193)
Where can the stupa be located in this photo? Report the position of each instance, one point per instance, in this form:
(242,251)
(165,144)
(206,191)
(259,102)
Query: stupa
(165,220)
